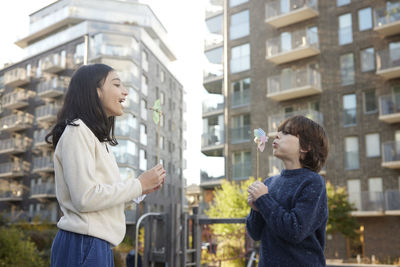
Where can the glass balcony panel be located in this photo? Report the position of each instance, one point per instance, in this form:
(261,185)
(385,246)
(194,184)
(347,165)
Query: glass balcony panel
(18,98)
(367,201)
(47,112)
(17,121)
(39,138)
(213,103)
(16,144)
(275,120)
(43,164)
(388,63)
(389,108)
(16,77)
(115,45)
(54,87)
(391,152)
(241,98)
(387,18)
(45,189)
(241,134)
(281,13)
(241,171)
(213,138)
(16,168)
(54,63)
(392,200)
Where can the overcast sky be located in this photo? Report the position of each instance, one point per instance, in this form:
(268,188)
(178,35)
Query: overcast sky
(184,21)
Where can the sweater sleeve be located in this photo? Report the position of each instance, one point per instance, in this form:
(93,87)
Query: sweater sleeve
(305,217)
(78,161)
(254,225)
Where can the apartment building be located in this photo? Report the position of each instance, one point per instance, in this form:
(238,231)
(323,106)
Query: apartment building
(126,35)
(335,62)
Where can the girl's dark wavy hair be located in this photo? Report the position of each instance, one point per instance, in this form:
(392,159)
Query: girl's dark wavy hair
(82,102)
(312,138)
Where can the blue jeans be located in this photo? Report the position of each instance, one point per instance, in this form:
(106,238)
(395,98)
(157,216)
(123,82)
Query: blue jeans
(70,249)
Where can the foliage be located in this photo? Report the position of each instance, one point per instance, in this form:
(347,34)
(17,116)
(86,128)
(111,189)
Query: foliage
(340,219)
(230,201)
(17,250)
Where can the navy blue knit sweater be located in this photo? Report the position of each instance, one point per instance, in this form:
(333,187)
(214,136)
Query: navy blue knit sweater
(291,220)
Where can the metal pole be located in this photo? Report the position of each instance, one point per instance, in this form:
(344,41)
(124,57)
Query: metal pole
(137,232)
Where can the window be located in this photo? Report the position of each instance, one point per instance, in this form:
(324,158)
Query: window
(125,152)
(351,153)
(240,58)
(143,134)
(145,61)
(143,109)
(39,69)
(372,145)
(349,110)
(162,98)
(240,128)
(79,53)
(143,160)
(354,189)
(370,105)
(342,2)
(345,30)
(375,189)
(239,25)
(365,19)
(367,59)
(241,165)
(233,3)
(162,76)
(145,83)
(347,69)
(241,93)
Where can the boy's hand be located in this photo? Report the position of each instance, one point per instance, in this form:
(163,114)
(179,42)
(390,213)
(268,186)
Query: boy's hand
(250,201)
(257,189)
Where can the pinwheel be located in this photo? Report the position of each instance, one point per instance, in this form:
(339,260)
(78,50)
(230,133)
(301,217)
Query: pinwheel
(260,138)
(157,113)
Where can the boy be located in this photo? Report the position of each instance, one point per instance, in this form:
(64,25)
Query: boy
(289,211)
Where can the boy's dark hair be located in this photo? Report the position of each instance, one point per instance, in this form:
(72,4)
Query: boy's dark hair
(312,138)
(82,102)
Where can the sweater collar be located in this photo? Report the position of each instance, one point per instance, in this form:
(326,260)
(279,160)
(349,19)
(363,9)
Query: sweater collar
(288,173)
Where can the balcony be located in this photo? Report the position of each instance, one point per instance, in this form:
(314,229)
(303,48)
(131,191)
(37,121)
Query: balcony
(43,164)
(18,98)
(292,46)
(275,166)
(241,171)
(213,105)
(213,40)
(292,84)
(214,7)
(388,63)
(44,190)
(241,99)
(14,145)
(212,143)
(367,203)
(17,168)
(47,113)
(391,155)
(275,120)
(240,134)
(11,195)
(389,108)
(207,181)
(16,77)
(39,138)
(45,215)
(387,19)
(280,15)
(16,122)
(392,202)
(54,63)
(54,87)
(213,79)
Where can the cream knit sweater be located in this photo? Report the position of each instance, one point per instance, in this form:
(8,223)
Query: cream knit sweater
(89,189)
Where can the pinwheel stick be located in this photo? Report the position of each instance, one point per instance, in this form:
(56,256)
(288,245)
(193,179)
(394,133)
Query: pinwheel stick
(258,159)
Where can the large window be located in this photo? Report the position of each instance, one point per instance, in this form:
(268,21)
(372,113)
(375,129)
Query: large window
(142,159)
(375,188)
(240,128)
(239,25)
(145,85)
(370,105)
(345,29)
(352,160)
(143,109)
(347,69)
(354,189)
(143,134)
(372,145)
(241,93)
(365,19)
(240,58)
(349,110)
(241,165)
(233,3)
(367,59)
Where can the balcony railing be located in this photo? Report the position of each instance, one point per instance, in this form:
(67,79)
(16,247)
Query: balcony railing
(391,154)
(17,168)
(240,98)
(206,179)
(214,138)
(296,11)
(275,120)
(241,171)
(241,134)
(16,77)
(11,195)
(43,164)
(275,166)
(45,215)
(389,108)
(213,40)
(367,203)
(43,190)
(294,84)
(392,201)
(18,98)
(387,19)
(388,63)
(17,121)
(15,144)
(47,113)
(54,63)
(213,77)
(293,46)
(54,87)
(39,138)
(214,103)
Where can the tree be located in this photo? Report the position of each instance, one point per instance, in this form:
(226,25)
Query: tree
(340,219)
(230,201)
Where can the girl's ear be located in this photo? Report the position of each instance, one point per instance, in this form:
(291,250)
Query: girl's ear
(99,92)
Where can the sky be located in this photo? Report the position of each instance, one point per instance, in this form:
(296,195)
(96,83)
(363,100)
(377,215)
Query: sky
(184,22)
